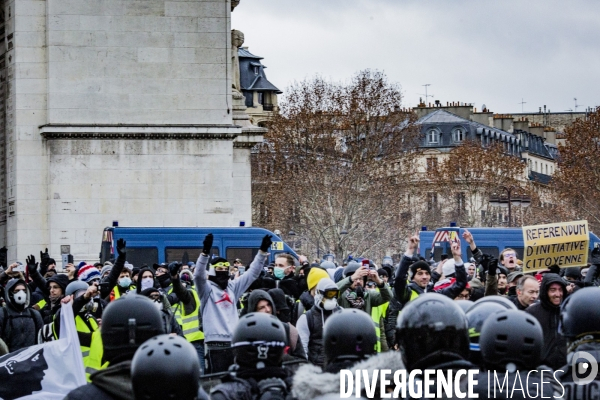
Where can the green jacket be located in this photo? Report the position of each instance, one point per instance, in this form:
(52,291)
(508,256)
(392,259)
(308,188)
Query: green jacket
(372,297)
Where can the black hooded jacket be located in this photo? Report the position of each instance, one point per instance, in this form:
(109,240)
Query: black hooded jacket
(258,295)
(50,309)
(19,324)
(554,353)
(138,286)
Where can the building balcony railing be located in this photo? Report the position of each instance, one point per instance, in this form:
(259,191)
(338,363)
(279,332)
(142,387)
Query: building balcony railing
(268,107)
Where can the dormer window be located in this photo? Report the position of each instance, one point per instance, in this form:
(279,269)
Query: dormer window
(256,70)
(433,136)
(458,134)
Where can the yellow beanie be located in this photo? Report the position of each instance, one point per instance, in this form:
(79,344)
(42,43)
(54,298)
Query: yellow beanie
(314,276)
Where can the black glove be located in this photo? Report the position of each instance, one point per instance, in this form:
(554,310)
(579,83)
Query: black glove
(207,244)
(44,258)
(31,264)
(266,243)
(485,262)
(122,247)
(595,256)
(492,266)
(174,268)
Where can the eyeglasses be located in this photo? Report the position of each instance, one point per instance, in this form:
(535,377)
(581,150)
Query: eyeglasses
(510,254)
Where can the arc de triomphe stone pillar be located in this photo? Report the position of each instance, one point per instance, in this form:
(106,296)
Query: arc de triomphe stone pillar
(117,110)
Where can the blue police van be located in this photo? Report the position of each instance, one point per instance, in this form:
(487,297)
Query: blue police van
(490,240)
(150,245)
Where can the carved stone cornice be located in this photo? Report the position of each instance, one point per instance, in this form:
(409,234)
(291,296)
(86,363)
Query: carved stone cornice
(140,132)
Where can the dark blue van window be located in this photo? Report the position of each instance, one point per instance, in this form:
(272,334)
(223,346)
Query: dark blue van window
(142,255)
(185,254)
(243,253)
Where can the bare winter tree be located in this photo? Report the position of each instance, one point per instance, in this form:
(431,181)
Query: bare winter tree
(577,179)
(465,180)
(335,165)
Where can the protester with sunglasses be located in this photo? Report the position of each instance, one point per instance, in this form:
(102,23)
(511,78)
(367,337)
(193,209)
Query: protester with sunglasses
(218,297)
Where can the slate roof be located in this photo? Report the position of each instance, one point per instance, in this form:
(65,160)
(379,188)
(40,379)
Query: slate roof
(536,145)
(249,79)
(246,54)
(538,177)
(445,121)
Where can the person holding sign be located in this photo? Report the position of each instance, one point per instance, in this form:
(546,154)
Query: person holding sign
(553,292)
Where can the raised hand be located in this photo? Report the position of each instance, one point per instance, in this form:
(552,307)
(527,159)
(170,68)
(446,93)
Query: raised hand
(266,243)
(122,247)
(31,264)
(207,244)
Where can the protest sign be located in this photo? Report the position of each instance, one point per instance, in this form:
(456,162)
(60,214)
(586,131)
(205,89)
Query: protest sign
(564,244)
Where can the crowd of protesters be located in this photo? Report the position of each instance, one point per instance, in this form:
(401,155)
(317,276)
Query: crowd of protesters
(286,330)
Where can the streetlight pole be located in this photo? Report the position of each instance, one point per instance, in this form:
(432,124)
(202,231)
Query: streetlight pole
(498,202)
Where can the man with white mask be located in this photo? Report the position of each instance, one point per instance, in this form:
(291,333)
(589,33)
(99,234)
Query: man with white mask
(310,324)
(146,280)
(19,324)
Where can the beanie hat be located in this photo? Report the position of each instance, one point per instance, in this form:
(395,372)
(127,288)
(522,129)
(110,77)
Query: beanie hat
(88,273)
(278,297)
(419,265)
(449,268)
(51,261)
(314,276)
(573,272)
(513,276)
(106,268)
(128,266)
(382,272)
(61,280)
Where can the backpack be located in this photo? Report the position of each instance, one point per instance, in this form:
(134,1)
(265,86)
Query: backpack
(7,317)
(272,389)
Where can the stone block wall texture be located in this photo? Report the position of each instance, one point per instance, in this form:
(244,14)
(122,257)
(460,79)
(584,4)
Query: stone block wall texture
(116,110)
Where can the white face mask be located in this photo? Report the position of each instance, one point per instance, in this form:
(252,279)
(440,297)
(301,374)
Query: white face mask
(147,283)
(329,304)
(158,305)
(20,297)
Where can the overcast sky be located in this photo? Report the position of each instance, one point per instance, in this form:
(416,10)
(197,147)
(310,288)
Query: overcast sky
(546,52)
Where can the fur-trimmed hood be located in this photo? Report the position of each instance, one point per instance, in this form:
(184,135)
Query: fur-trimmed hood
(310,381)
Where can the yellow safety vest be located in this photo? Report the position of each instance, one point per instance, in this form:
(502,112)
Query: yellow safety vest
(90,344)
(190,323)
(41,304)
(376,317)
(117,294)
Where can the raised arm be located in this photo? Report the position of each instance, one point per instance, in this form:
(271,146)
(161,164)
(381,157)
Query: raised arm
(200,278)
(468,237)
(244,281)
(115,272)
(461,274)
(38,279)
(401,291)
